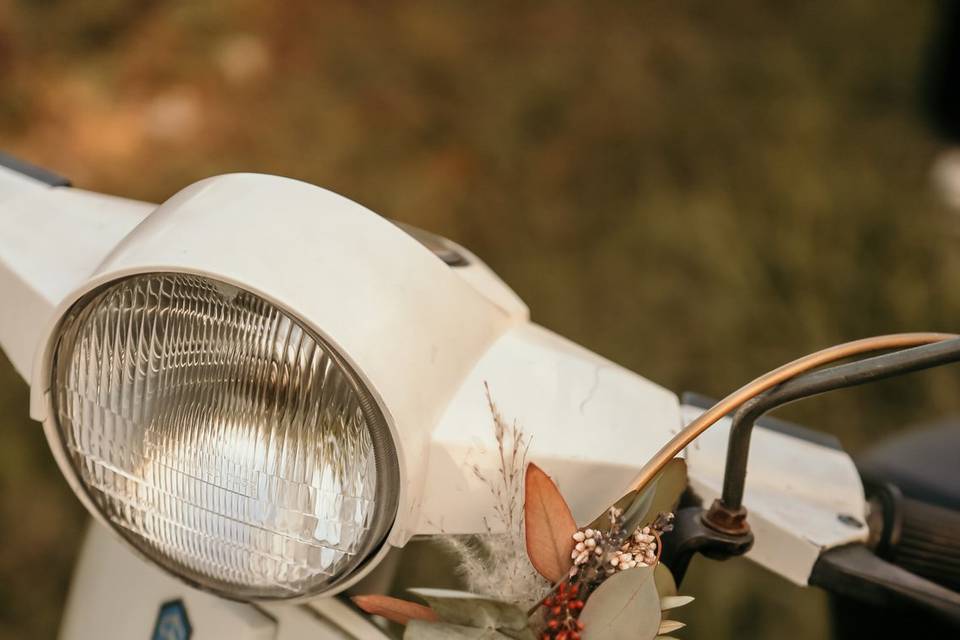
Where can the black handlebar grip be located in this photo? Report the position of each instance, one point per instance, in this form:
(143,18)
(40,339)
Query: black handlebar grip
(924,539)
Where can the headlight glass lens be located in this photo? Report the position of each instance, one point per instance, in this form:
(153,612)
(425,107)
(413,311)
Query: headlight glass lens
(221,437)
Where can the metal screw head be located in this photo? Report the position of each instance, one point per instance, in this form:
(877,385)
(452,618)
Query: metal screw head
(721,518)
(849,520)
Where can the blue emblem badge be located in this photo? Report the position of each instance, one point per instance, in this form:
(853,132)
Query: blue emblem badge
(172,622)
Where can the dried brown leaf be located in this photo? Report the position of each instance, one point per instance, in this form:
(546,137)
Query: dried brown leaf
(395,609)
(549,526)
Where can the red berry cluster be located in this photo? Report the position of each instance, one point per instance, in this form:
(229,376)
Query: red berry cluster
(563,608)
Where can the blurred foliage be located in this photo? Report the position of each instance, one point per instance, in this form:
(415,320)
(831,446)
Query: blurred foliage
(699,191)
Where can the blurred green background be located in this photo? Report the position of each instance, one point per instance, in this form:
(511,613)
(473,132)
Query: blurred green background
(699,191)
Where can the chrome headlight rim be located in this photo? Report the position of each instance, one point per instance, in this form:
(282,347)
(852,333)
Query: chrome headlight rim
(378,420)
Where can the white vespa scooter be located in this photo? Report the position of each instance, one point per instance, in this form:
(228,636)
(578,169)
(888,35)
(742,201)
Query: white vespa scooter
(261,390)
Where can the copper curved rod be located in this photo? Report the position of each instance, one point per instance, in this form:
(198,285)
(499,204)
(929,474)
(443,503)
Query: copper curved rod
(771,379)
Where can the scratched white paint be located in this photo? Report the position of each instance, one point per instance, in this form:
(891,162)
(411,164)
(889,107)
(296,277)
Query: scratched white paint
(591,423)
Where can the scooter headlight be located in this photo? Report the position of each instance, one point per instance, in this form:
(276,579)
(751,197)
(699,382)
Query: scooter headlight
(221,437)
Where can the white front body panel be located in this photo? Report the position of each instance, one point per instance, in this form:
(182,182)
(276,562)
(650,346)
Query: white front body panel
(116,595)
(51,240)
(591,424)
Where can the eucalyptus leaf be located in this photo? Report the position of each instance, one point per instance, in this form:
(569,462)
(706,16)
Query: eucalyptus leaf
(420,630)
(666,585)
(661,495)
(671,483)
(674,602)
(471,610)
(626,606)
(635,514)
(670,487)
(602,521)
(670,625)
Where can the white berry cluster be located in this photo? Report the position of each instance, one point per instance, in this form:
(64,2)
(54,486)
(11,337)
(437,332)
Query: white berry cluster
(587,541)
(639,550)
(598,554)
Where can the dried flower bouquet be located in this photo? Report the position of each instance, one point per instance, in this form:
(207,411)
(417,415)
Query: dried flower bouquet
(545,578)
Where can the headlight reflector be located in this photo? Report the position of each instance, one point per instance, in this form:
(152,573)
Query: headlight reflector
(221,437)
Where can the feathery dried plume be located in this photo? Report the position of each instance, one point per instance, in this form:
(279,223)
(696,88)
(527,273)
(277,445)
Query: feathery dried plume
(496,564)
